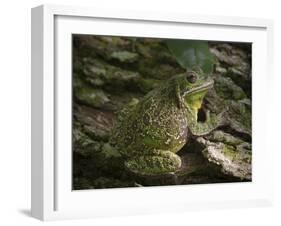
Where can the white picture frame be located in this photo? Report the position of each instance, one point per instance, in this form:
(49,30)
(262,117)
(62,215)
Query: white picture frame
(52,197)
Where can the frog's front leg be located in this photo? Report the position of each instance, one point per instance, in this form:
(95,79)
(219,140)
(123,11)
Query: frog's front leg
(204,128)
(155,163)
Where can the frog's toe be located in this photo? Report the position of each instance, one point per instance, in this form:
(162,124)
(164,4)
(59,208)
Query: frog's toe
(167,162)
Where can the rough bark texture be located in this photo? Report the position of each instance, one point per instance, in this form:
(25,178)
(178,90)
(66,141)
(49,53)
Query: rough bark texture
(110,71)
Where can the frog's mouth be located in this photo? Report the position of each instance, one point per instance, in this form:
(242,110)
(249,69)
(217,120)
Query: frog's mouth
(200,89)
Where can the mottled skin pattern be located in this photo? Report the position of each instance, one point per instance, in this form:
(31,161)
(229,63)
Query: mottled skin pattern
(149,132)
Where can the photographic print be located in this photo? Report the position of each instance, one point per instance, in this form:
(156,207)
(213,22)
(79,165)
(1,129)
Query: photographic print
(158,112)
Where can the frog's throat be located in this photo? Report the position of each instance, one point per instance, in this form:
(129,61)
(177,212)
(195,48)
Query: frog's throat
(194,102)
(193,108)
(193,98)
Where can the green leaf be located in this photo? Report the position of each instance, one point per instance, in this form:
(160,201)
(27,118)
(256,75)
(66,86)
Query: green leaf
(191,53)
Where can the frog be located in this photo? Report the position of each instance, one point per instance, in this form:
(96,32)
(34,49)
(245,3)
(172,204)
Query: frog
(149,132)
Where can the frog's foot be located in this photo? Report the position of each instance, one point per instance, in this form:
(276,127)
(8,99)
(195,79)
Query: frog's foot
(163,162)
(212,122)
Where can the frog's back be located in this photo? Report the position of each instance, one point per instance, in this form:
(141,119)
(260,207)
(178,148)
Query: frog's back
(156,122)
(162,122)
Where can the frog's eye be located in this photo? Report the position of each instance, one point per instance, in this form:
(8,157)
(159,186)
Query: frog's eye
(191,76)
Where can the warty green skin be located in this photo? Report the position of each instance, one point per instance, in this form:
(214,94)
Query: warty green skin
(148,133)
